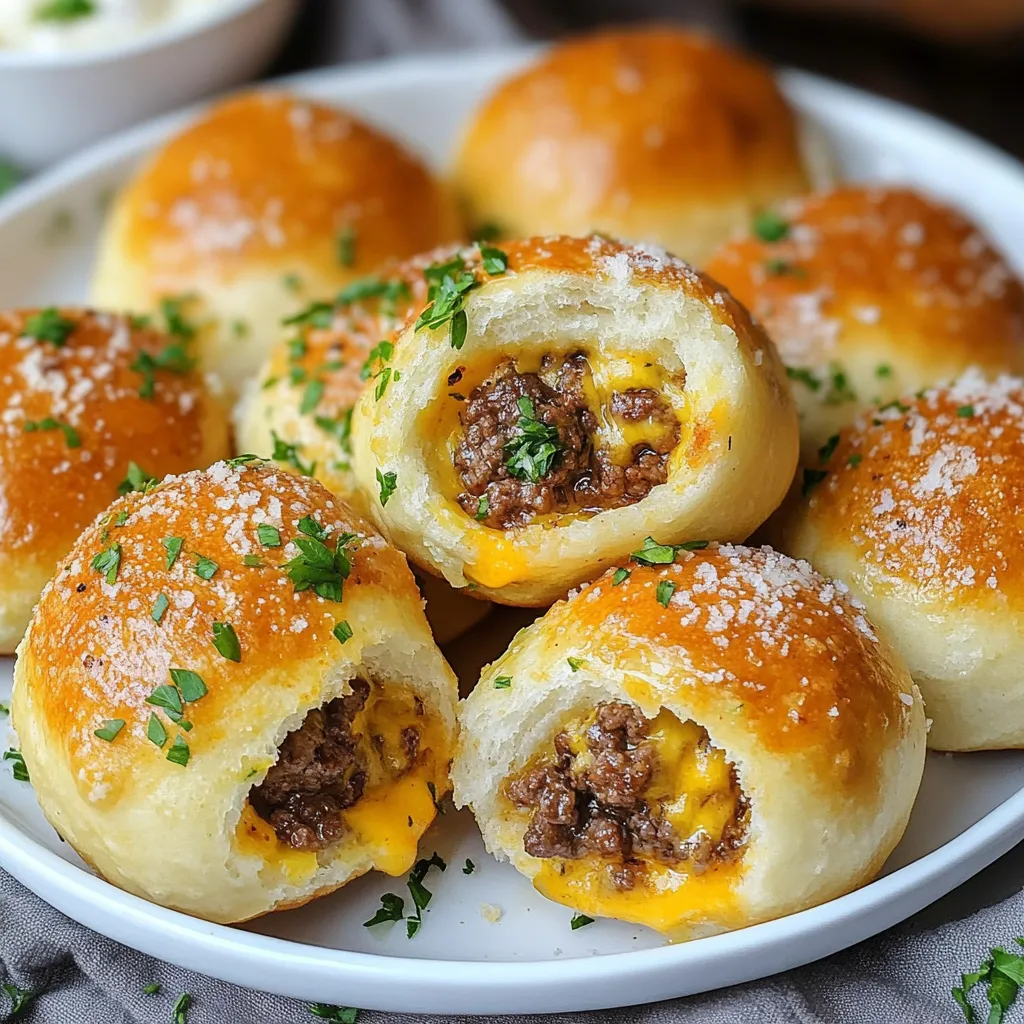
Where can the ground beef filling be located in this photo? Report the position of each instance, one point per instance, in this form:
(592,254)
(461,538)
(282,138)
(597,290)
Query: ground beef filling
(602,810)
(581,476)
(321,770)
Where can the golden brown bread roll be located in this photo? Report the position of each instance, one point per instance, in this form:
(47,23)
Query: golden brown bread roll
(559,399)
(83,396)
(655,135)
(871,293)
(299,409)
(695,745)
(229,700)
(264,203)
(918,508)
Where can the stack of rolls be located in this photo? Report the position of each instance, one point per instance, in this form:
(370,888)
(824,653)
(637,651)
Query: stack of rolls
(693,735)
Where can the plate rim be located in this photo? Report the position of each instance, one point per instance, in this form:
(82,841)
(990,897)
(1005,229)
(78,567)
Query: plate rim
(411,984)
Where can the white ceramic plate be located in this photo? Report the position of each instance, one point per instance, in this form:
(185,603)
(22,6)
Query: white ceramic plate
(970,810)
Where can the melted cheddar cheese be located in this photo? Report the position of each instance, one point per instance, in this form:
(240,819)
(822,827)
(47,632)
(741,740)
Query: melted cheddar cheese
(396,806)
(694,788)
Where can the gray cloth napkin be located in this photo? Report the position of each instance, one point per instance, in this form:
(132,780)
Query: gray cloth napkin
(901,977)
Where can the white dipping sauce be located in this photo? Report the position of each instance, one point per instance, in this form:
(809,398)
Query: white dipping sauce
(111,22)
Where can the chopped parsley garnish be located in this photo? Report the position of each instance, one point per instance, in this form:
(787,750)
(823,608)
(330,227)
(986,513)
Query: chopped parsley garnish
(382,379)
(179,752)
(71,436)
(179,1015)
(225,639)
(392,908)
(168,699)
(49,325)
(894,404)
(778,268)
(160,606)
(965,411)
(531,454)
(270,536)
(108,561)
(288,453)
(347,246)
(334,1014)
(318,567)
(172,308)
(136,480)
(487,232)
(240,461)
(653,553)
(152,989)
(388,291)
(172,545)
(575,663)
(812,477)
(253,561)
(205,568)
(311,528)
(292,283)
(340,429)
(494,260)
(432,790)
(342,631)
(855,460)
(826,451)
(469,867)
(189,683)
(449,282)
(173,358)
(502,682)
(883,370)
(804,376)
(316,314)
(620,576)
(483,508)
(380,353)
(110,729)
(1003,974)
(387,482)
(155,731)
(20,998)
(4,709)
(580,921)
(240,328)
(18,766)
(770,226)
(421,896)
(311,396)
(666,588)
(839,390)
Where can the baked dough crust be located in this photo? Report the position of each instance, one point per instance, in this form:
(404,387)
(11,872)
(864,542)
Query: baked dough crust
(732,465)
(919,512)
(246,208)
(654,135)
(73,419)
(185,837)
(874,293)
(821,720)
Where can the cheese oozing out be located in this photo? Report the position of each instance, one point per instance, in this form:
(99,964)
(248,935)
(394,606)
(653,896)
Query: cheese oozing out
(396,803)
(691,800)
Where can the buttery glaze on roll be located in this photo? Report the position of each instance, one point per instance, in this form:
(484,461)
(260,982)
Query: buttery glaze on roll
(872,293)
(266,202)
(83,396)
(229,700)
(695,746)
(299,409)
(918,508)
(653,135)
(558,400)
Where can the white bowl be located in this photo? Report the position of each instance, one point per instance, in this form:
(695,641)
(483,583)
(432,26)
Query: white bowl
(53,104)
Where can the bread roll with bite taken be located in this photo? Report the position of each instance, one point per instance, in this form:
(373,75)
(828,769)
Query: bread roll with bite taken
(871,293)
(92,404)
(299,408)
(654,134)
(229,700)
(554,401)
(918,508)
(266,202)
(695,745)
